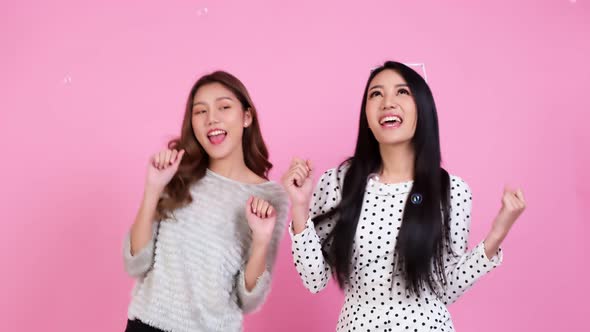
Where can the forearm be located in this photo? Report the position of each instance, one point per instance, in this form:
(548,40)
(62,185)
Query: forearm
(256,263)
(141,231)
(500,229)
(300,215)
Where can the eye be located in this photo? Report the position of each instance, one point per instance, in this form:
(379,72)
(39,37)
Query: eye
(375,94)
(197,112)
(226,107)
(403,91)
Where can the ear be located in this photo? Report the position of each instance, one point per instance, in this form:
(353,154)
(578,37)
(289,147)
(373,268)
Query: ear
(247,117)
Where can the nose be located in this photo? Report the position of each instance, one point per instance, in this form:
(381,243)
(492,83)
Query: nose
(389,102)
(212,117)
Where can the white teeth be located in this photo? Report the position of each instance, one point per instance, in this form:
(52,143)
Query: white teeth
(390,119)
(216,132)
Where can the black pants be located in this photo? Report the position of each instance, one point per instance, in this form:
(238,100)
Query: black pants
(139,326)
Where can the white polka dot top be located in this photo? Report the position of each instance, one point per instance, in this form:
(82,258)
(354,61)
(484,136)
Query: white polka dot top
(376,299)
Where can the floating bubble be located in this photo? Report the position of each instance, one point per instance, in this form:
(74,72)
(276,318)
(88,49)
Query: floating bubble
(202,11)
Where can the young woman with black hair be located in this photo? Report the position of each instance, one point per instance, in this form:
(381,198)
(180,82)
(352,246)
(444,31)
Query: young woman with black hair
(390,223)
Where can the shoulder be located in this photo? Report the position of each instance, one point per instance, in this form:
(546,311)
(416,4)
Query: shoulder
(334,177)
(275,193)
(458,185)
(461,197)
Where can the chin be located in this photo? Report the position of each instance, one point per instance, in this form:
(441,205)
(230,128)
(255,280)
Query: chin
(394,140)
(216,153)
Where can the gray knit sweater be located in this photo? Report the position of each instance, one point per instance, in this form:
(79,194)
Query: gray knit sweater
(190,277)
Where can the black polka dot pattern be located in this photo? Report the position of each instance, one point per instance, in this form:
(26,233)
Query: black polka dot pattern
(376,297)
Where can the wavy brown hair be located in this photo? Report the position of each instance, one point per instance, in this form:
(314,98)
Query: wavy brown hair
(195,161)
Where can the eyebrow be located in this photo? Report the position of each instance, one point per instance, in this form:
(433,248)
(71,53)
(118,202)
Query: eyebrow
(381,86)
(218,99)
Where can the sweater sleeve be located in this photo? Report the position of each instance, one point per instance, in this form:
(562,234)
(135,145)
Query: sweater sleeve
(139,264)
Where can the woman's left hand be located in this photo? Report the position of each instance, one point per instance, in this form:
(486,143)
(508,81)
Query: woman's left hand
(513,205)
(261,218)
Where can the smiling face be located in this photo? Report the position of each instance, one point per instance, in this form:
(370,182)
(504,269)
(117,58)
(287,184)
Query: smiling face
(218,120)
(390,108)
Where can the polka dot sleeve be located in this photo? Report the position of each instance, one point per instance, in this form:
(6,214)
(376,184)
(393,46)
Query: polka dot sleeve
(462,267)
(306,246)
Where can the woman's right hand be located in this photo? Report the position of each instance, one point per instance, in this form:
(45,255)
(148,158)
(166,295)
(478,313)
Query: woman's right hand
(162,167)
(298,183)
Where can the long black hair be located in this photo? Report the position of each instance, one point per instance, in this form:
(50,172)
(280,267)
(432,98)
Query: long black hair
(423,235)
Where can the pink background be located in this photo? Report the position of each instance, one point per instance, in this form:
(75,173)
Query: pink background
(90,90)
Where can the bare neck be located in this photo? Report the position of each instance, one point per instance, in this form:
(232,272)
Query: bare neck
(397,163)
(234,167)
